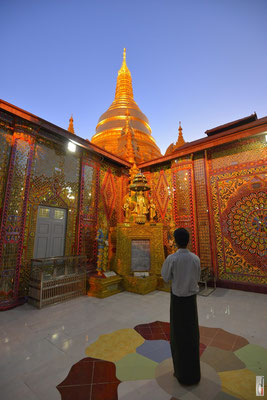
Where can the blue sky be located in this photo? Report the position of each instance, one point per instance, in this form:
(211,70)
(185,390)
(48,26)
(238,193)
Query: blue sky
(200,62)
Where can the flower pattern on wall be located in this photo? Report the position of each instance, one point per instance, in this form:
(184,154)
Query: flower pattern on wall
(245,221)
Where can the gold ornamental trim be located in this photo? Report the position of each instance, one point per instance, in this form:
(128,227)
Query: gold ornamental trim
(111,132)
(123,117)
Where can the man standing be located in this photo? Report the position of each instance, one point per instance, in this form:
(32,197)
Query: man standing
(183,269)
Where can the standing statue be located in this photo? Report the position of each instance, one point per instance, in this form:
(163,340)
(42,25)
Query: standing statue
(141,206)
(127,209)
(105,255)
(102,254)
(152,210)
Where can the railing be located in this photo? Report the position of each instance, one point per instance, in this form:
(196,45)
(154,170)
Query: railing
(206,277)
(56,279)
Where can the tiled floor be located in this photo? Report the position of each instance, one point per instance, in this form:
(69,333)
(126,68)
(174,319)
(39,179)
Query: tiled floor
(104,349)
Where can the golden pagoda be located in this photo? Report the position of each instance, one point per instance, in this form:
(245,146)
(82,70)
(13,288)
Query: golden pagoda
(123,129)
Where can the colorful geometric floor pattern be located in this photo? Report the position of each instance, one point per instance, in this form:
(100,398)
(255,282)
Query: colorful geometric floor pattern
(129,360)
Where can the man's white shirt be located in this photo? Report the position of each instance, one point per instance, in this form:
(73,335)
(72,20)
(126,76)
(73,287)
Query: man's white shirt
(183,270)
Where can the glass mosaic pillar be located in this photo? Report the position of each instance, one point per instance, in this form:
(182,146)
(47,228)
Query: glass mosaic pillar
(14,216)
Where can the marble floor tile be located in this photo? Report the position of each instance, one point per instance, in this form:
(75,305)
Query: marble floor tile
(221,360)
(90,379)
(156,350)
(208,387)
(141,390)
(134,367)
(225,396)
(42,352)
(254,357)
(16,389)
(127,389)
(239,383)
(44,379)
(113,346)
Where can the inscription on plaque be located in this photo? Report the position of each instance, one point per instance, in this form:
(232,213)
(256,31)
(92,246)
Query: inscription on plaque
(140,255)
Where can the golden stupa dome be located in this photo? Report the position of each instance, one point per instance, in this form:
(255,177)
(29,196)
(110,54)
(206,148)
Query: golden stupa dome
(113,124)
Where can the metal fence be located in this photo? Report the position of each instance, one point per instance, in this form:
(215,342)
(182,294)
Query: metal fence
(56,279)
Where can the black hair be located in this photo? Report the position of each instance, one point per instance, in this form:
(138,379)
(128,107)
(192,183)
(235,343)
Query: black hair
(181,236)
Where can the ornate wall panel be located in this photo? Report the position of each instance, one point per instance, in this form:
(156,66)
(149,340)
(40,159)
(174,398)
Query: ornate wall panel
(109,194)
(162,194)
(113,188)
(184,202)
(239,206)
(234,154)
(202,212)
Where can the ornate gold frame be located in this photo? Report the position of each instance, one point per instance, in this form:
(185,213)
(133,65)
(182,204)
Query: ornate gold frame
(126,232)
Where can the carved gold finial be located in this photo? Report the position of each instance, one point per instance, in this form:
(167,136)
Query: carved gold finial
(124,65)
(180,140)
(71,127)
(124,81)
(133,171)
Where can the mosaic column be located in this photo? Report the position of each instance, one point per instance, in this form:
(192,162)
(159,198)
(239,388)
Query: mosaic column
(184,201)
(88,210)
(14,216)
(202,211)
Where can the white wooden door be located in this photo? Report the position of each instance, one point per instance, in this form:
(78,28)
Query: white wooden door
(50,232)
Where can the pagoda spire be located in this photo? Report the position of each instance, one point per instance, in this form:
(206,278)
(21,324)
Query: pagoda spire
(71,127)
(124,65)
(180,140)
(124,86)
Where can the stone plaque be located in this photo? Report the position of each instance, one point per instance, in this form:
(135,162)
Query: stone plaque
(140,255)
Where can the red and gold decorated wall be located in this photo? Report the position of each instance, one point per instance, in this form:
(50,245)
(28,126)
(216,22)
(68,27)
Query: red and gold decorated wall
(160,181)
(184,207)
(238,193)
(113,189)
(102,189)
(220,197)
(173,191)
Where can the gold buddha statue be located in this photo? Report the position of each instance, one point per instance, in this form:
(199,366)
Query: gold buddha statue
(137,207)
